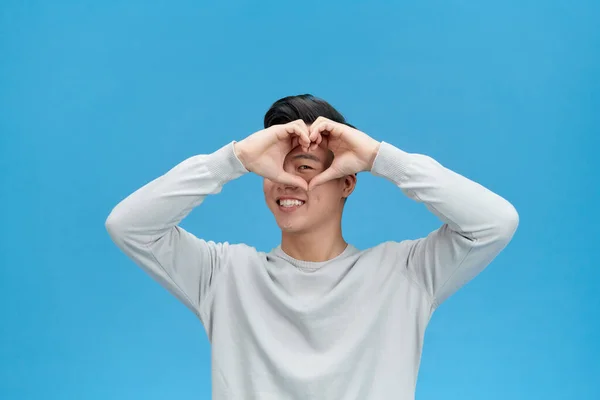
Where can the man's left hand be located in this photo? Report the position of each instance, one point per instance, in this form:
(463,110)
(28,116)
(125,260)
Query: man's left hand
(353,150)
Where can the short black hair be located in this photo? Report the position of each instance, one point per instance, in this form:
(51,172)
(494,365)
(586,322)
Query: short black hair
(305,107)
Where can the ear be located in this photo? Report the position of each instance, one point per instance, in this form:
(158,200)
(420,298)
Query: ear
(349,182)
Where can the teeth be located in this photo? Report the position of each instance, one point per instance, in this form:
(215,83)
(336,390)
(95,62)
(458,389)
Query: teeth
(290,203)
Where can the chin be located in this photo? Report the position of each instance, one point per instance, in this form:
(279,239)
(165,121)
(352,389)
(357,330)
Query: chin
(288,225)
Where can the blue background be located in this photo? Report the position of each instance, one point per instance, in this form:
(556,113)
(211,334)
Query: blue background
(98,98)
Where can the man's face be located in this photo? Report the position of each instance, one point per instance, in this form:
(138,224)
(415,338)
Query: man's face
(297,210)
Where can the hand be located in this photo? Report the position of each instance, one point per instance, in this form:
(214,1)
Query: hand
(264,151)
(353,150)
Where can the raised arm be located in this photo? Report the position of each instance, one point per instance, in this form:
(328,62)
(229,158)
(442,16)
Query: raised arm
(145,225)
(477,223)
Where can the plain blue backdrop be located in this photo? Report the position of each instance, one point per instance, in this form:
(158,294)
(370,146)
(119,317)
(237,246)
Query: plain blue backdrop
(98,98)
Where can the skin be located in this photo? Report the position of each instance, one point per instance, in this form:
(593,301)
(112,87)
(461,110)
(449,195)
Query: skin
(313,232)
(316,164)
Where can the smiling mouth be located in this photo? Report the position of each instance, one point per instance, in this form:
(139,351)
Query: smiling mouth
(289,204)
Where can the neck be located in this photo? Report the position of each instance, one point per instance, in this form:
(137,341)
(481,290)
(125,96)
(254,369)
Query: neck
(318,245)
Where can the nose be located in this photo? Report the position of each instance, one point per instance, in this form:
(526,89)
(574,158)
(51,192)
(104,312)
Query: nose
(287,188)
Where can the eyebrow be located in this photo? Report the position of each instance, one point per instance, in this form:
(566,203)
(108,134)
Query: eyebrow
(307,156)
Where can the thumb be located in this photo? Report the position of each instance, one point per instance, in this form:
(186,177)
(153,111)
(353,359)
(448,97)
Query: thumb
(292,180)
(324,177)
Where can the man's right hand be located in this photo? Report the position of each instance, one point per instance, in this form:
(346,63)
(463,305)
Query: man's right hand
(264,152)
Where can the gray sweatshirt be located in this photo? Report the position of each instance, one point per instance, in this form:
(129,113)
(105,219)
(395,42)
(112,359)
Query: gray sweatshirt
(350,328)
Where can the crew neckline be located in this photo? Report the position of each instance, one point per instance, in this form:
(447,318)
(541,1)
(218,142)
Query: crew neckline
(313,266)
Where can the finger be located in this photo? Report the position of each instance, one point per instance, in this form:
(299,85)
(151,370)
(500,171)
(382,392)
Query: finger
(296,129)
(320,119)
(319,139)
(315,130)
(301,130)
(324,142)
(328,175)
(325,127)
(313,133)
(315,144)
(315,139)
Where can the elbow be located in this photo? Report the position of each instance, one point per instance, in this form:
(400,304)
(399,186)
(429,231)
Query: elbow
(508,222)
(113,225)
(117,229)
(110,224)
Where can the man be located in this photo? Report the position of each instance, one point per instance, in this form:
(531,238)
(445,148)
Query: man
(315,318)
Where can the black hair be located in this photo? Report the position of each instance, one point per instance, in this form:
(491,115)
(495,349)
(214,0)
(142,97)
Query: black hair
(305,107)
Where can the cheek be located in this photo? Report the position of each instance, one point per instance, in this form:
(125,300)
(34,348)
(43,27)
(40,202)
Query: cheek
(327,195)
(267,191)
(321,197)
(267,186)
(315,199)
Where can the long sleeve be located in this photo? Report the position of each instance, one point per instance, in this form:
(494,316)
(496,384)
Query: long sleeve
(145,225)
(477,223)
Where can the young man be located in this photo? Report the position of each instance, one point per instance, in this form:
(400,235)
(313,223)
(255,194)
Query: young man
(315,318)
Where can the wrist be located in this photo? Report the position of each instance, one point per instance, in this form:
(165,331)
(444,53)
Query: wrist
(373,150)
(238,149)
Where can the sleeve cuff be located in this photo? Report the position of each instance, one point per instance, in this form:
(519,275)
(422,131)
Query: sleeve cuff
(391,163)
(225,165)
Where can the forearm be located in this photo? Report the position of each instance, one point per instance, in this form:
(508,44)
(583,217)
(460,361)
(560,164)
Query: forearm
(157,207)
(466,206)
(478,223)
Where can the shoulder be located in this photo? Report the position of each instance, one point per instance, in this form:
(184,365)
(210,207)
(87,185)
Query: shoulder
(223,254)
(240,256)
(392,257)
(237,250)
(390,250)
